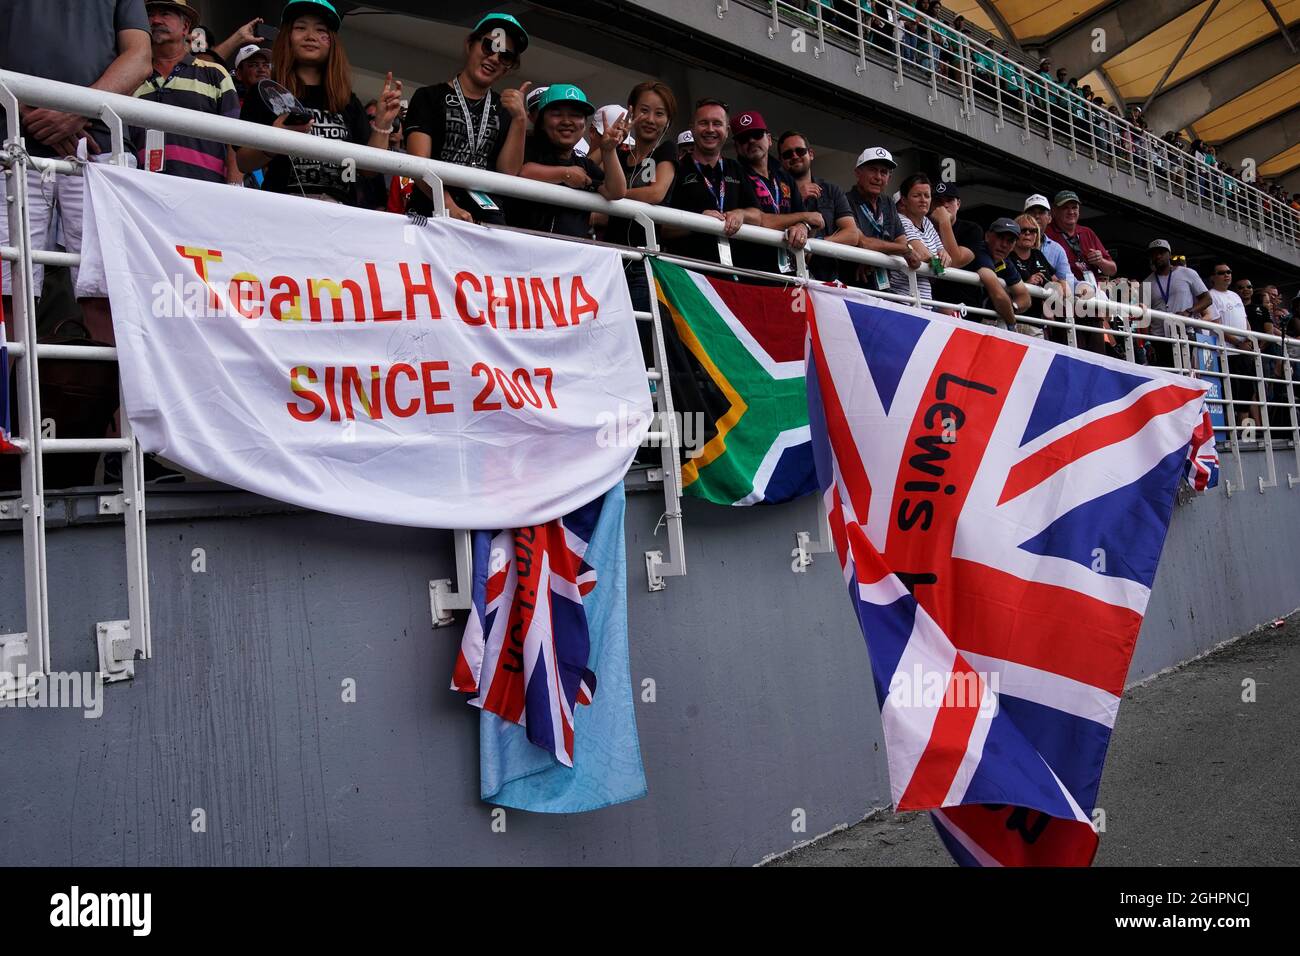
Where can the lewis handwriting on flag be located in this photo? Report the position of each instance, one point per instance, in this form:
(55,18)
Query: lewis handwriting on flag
(998,505)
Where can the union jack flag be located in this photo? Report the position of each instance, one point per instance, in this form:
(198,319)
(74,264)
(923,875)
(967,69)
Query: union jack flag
(998,505)
(525,649)
(1202,470)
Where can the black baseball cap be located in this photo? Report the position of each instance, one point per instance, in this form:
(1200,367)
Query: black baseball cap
(946,191)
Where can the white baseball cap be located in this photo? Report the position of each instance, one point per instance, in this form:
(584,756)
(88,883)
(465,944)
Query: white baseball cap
(610,114)
(251,50)
(876,154)
(685,138)
(1037,199)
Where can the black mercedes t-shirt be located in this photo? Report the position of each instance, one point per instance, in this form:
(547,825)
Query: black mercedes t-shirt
(698,188)
(624,231)
(776,194)
(544,217)
(1034,262)
(300,176)
(436,112)
(971,235)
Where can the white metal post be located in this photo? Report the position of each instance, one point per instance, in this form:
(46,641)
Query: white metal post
(1289,375)
(23,297)
(1234,437)
(1262,391)
(862,42)
(656,567)
(934,60)
(997,93)
(133,493)
(898,48)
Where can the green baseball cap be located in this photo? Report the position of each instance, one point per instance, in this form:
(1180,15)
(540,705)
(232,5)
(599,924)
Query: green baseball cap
(1064,196)
(507,23)
(564,93)
(322,8)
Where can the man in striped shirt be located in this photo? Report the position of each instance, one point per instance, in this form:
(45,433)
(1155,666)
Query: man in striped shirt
(178,79)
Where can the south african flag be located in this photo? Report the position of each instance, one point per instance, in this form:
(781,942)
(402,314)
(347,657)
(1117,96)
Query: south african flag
(738,360)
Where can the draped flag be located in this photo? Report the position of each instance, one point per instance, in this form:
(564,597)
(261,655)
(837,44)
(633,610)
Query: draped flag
(1202,471)
(525,647)
(998,505)
(742,370)
(607,767)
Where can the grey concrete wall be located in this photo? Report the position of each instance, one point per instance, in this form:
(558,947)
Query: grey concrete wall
(763,694)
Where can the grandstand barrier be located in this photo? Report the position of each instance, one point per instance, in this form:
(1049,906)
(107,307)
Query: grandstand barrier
(1267,392)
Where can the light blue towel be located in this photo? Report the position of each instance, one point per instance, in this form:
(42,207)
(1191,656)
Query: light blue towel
(607,765)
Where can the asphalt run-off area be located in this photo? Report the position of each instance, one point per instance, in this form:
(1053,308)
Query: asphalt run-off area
(1197,774)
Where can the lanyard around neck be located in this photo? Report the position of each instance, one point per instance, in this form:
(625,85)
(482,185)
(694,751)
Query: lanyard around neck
(475,141)
(773,189)
(877,226)
(720,194)
(1165,289)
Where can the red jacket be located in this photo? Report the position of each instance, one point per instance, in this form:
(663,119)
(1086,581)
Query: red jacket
(1085,240)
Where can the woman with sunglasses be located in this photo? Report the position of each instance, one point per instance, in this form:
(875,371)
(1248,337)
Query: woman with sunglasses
(465,123)
(1028,259)
(308,59)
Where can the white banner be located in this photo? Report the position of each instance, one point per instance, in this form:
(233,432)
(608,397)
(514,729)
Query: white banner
(447,376)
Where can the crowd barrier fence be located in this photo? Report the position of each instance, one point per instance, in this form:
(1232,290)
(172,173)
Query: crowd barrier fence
(1246,420)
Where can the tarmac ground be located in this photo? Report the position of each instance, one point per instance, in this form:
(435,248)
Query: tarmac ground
(1197,774)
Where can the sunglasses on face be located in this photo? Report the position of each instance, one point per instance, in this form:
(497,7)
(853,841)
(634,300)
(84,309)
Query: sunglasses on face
(1223,273)
(1026,231)
(507,57)
(748,137)
(799,151)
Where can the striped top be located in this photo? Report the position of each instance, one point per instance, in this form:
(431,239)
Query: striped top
(193,85)
(928,235)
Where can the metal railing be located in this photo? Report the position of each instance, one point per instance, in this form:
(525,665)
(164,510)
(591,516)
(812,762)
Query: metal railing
(1258,390)
(920,48)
